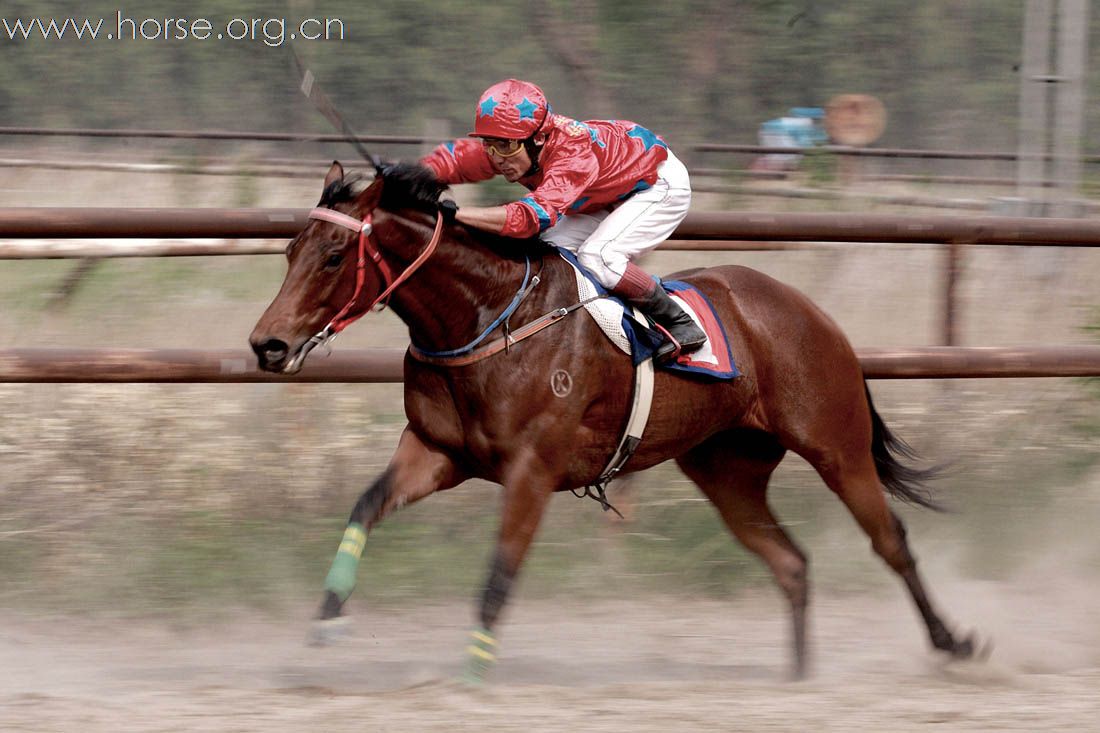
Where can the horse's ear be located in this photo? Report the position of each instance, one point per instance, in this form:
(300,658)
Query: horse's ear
(335,175)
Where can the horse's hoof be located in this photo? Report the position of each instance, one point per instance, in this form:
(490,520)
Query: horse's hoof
(963,649)
(469,680)
(475,671)
(972,648)
(798,674)
(330,631)
(980,650)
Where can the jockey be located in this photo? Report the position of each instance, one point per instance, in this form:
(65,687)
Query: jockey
(609,191)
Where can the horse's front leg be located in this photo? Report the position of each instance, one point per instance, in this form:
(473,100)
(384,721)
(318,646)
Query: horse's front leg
(525,499)
(417,469)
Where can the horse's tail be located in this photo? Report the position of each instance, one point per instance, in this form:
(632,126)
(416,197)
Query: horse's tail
(903,481)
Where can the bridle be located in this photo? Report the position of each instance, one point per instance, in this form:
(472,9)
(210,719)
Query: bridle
(472,352)
(346,316)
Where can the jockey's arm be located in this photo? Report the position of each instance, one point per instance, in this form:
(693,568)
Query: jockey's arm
(487,218)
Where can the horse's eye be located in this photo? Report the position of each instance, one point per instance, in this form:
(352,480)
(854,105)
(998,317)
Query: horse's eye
(334,261)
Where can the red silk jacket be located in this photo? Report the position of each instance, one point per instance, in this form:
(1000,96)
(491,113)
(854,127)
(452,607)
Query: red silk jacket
(583,167)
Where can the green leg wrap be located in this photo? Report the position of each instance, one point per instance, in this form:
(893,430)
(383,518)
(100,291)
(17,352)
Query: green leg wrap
(480,656)
(341,576)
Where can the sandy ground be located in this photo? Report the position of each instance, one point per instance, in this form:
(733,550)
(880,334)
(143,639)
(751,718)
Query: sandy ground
(640,665)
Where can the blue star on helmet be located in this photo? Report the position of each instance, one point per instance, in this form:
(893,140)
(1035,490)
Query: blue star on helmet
(485,109)
(527,109)
(648,138)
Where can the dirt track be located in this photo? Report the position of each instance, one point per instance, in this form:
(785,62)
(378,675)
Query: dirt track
(642,665)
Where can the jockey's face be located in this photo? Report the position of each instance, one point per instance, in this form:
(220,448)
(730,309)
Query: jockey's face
(509,157)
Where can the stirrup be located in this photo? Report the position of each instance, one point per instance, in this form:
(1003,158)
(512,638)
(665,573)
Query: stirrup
(669,349)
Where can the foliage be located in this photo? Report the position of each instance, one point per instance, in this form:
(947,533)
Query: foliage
(711,69)
(820,166)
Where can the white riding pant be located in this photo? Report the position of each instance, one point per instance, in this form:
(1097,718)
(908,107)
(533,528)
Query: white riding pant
(606,241)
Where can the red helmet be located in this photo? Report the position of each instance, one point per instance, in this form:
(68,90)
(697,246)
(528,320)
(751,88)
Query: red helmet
(511,109)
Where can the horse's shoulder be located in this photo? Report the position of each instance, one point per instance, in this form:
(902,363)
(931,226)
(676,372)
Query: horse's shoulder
(430,405)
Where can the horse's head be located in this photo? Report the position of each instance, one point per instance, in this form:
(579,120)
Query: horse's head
(334,270)
(320,278)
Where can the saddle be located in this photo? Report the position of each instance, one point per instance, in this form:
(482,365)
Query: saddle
(635,334)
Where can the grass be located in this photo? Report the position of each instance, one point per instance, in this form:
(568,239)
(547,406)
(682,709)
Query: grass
(135,287)
(201,563)
(194,564)
(820,166)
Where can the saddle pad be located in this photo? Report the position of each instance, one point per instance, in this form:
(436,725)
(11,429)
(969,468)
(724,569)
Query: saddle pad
(608,312)
(640,340)
(715,357)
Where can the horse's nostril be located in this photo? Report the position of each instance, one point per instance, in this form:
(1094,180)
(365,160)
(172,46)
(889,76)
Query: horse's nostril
(271,351)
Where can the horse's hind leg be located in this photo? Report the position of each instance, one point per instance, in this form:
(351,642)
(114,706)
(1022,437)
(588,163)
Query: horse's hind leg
(857,484)
(416,470)
(733,471)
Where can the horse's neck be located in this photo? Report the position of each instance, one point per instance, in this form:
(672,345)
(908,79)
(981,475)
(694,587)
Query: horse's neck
(461,289)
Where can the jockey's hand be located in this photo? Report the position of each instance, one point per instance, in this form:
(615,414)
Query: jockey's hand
(447,209)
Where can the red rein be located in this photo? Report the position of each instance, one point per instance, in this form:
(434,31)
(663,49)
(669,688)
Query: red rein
(366,247)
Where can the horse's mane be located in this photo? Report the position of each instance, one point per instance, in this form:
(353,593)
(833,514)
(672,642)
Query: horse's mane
(404,186)
(414,186)
(410,186)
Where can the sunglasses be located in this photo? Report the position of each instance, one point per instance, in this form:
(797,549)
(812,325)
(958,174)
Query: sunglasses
(501,148)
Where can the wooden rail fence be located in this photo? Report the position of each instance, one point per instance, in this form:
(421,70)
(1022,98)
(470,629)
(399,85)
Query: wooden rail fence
(385,365)
(700,231)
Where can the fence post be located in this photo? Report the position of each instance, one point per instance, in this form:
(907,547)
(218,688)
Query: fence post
(952,269)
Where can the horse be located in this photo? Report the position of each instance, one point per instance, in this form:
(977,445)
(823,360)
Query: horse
(540,412)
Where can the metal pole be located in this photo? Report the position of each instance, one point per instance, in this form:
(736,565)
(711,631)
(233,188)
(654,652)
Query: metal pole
(1035,78)
(85,366)
(142,223)
(1069,109)
(215,135)
(952,267)
(189,365)
(173,223)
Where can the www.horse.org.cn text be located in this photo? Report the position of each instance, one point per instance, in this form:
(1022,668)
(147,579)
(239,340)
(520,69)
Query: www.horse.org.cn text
(271,32)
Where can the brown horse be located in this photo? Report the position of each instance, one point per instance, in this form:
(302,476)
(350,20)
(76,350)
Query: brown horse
(501,418)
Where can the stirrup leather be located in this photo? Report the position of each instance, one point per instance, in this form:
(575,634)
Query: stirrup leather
(632,435)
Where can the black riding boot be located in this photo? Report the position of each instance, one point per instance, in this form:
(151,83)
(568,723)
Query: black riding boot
(664,310)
